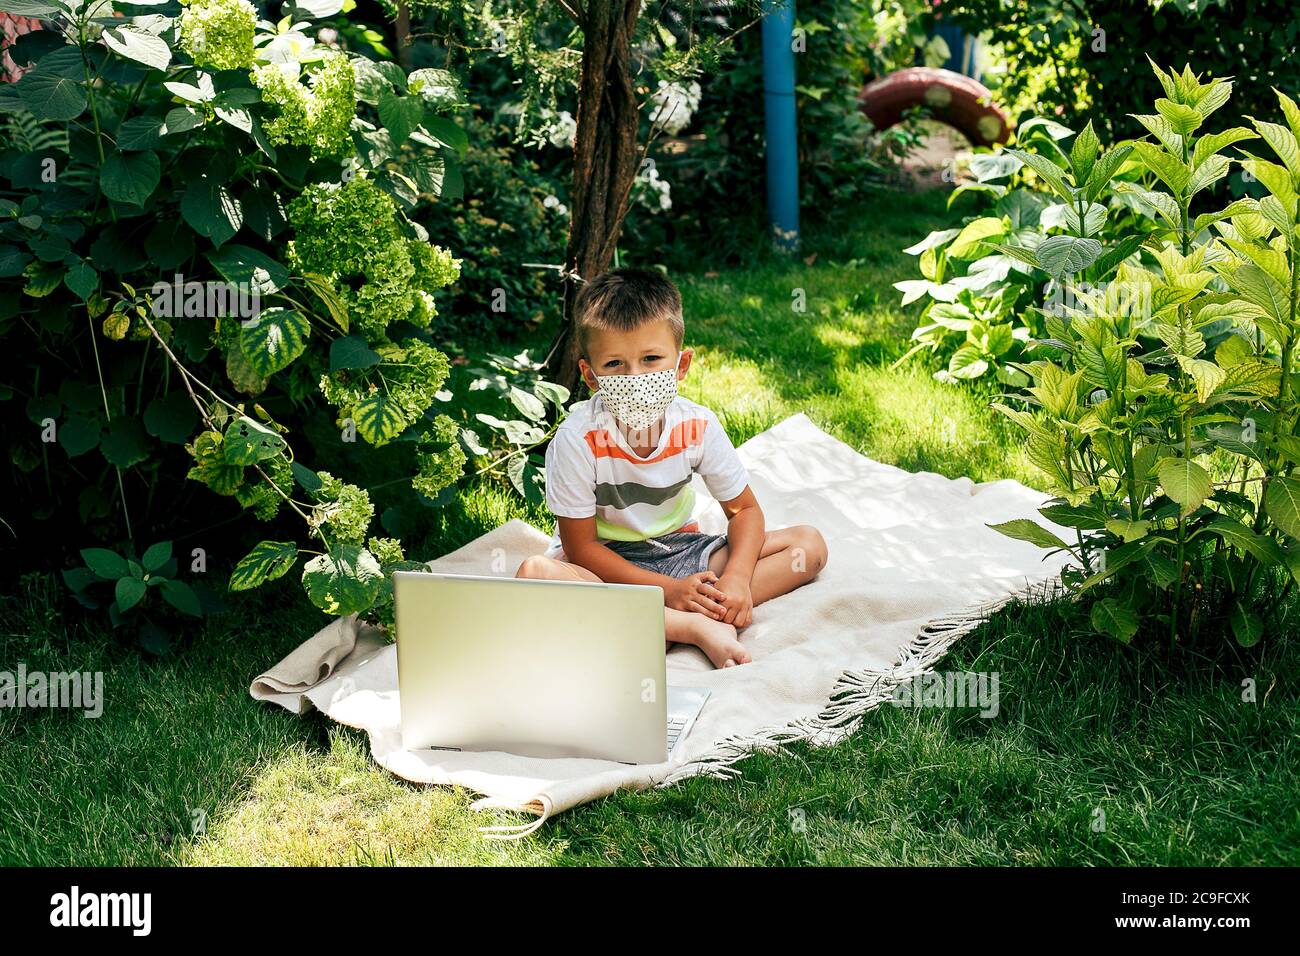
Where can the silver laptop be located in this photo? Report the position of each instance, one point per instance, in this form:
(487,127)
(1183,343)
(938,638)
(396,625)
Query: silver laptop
(539,668)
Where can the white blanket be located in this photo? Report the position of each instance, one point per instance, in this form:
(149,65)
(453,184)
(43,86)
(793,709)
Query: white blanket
(912,568)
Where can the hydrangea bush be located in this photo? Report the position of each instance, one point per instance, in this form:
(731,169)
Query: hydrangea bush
(206,243)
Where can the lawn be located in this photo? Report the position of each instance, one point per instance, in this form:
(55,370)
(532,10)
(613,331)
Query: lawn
(1101,754)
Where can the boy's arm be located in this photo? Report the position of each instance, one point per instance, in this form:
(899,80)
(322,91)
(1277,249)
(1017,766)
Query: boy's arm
(746,531)
(582,547)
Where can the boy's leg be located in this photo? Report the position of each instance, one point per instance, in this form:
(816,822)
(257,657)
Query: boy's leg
(789,558)
(716,639)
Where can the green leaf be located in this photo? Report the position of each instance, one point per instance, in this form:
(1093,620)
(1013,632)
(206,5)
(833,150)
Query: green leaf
(182,597)
(210,465)
(1184,120)
(130,177)
(1282,142)
(1113,257)
(1026,529)
(1084,153)
(352,351)
(1062,255)
(139,132)
(1258,287)
(126,443)
(274,339)
(529,405)
(345,581)
(1128,530)
(1207,376)
(171,418)
(447,133)
(211,209)
(1236,208)
(242,375)
(549,391)
(181,119)
(248,442)
(440,89)
(1047,170)
(370,83)
(1207,174)
(82,279)
(1185,482)
(1161,203)
(143,48)
(428,170)
(934,240)
(1104,170)
(1110,616)
(308,479)
(523,475)
(1019,253)
(400,115)
(1211,143)
(128,592)
(1276,179)
(30,8)
(156,555)
(379,419)
(49,96)
(1247,627)
(244,266)
(107,564)
(79,435)
(12,261)
(1282,504)
(266,562)
(1172,172)
(326,292)
(1233,532)
(970,241)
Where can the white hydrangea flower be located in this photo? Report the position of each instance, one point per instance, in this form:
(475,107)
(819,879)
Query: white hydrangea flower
(654,190)
(674,105)
(559,129)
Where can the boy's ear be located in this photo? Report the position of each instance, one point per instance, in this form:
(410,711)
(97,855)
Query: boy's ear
(588,375)
(685,364)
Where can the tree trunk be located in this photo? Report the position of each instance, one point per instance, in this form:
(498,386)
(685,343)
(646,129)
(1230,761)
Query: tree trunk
(604,164)
(402,29)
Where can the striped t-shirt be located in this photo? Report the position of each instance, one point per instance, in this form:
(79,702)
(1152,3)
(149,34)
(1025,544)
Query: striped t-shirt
(591,470)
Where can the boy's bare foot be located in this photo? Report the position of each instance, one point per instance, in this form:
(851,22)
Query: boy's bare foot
(718,641)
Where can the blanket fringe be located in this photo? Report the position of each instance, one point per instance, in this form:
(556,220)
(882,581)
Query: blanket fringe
(540,806)
(857,693)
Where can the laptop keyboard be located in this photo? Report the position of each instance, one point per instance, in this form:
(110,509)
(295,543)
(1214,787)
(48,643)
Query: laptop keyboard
(675,727)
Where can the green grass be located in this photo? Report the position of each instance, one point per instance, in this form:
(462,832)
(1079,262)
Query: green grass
(1100,755)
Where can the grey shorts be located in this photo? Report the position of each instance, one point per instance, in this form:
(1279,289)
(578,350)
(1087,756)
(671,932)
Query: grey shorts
(678,554)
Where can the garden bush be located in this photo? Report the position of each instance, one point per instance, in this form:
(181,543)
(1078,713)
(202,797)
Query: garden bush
(215,288)
(978,319)
(1161,403)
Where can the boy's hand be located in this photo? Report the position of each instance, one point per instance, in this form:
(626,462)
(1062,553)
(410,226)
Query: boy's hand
(696,593)
(737,600)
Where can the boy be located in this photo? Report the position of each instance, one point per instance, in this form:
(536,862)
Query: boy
(618,475)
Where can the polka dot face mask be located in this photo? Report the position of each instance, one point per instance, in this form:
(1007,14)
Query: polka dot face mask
(639,400)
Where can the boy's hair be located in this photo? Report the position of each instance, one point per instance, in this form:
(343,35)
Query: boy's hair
(624,299)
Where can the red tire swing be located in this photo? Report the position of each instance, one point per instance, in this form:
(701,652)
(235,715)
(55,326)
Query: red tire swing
(952,98)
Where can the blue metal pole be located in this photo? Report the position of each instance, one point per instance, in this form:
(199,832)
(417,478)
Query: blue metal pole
(779,117)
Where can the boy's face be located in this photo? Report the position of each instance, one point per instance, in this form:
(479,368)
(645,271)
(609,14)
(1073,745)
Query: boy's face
(651,347)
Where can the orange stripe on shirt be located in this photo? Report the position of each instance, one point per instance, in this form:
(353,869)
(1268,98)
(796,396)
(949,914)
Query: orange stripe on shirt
(684,435)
